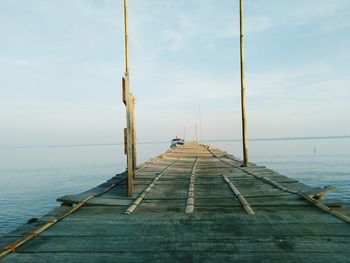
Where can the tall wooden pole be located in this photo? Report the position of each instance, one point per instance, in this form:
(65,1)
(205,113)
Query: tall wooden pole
(134,152)
(243,100)
(128,100)
(126,28)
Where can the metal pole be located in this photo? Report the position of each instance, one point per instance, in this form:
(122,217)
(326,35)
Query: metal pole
(243,100)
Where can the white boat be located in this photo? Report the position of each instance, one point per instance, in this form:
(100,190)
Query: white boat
(177,141)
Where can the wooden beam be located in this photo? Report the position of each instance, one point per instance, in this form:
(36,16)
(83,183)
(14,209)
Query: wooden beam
(319,195)
(190,195)
(240,197)
(123,91)
(243,100)
(33,234)
(134,151)
(129,137)
(126,28)
(128,98)
(125,141)
(139,199)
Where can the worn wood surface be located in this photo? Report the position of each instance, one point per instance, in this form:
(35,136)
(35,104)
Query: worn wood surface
(283,228)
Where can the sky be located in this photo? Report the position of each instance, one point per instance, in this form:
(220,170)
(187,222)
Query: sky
(61,63)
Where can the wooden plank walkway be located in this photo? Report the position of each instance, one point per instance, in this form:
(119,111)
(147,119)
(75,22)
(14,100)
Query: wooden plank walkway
(191,204)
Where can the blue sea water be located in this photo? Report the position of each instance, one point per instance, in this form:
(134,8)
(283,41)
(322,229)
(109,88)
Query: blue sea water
(315,162)
(32,178)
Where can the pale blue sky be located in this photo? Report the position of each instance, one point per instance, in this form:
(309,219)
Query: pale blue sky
(61,62)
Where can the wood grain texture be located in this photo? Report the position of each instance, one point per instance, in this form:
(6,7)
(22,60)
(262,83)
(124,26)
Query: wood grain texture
(285,227)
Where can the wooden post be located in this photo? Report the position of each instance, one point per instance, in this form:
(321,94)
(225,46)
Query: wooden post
(126,28)
(127,97)
(133,133)
(129,137)
(123,91)
(125,141)
(243,100)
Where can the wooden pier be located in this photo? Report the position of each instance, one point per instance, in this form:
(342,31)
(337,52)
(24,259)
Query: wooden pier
(190,204)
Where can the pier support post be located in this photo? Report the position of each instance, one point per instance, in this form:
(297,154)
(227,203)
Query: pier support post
(134,153)
(129,136)
(129,101)
(243,100)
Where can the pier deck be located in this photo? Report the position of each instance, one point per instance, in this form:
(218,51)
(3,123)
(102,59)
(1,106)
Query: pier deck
(196,204)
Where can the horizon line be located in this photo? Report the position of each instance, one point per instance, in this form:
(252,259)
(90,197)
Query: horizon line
(161,142)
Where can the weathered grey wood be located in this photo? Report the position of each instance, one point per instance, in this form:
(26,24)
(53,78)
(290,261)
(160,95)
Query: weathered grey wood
(243,98)
(139,199)
(285,228)
(241,198)
(190,194)
(178,256)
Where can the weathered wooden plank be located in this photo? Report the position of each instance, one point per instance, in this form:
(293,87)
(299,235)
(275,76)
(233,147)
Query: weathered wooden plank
(184,243)
(200,227)
(285,227)
(178,256)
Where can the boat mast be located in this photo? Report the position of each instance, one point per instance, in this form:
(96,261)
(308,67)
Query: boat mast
(184,133)
(243,100)
(200,125)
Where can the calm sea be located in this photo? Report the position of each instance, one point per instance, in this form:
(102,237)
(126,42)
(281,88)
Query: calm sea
(32,178)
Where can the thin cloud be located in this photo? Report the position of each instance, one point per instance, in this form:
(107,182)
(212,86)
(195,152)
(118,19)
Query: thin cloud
(182,54)
(22,62)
